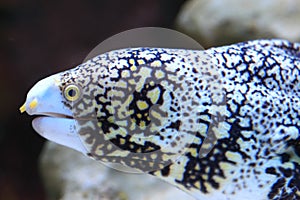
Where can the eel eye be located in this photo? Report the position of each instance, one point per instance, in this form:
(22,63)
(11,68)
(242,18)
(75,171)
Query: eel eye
(72,92)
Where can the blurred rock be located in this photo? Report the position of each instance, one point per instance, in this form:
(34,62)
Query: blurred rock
(69,175)
(218,22)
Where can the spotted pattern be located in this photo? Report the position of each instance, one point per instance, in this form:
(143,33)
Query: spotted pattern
(219,124)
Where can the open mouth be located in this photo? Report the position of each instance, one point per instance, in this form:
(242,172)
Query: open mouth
(55,115)
(63,116)
(60,128)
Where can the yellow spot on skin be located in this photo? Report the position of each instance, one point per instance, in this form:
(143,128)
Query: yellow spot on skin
(22,108)
(153,156)
(109,147)
(159,74)
(197,184)
(194,152)
(133,68)
(33,104)
(123,196)
(206,145)
(153,95)
(225,166)
(151,164)
(131,61)
(141,62)
(218,179)
(125,74)
(133,125)
(156,114)
(142,105)
(142,124)
(111,119)
(122,84)
(193,177)
(99,152)
(122,141)
(208,186)
(152,83)
(99,149)
(139,150)
(156,63)
(235,157)
(131,81)
(102,99)
(288,165)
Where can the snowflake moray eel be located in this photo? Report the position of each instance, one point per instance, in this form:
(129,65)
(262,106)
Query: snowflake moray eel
(221,123)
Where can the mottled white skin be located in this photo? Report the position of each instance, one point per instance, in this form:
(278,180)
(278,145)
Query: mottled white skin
(266,141)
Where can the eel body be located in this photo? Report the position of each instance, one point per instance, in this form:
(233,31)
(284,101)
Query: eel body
(221,123)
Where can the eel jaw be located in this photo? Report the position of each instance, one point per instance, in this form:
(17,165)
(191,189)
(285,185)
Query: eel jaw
(55,121)
(60,130)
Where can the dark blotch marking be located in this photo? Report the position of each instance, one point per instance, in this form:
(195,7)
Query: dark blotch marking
(165,171)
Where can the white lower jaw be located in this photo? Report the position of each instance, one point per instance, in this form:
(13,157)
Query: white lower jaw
(60,130)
